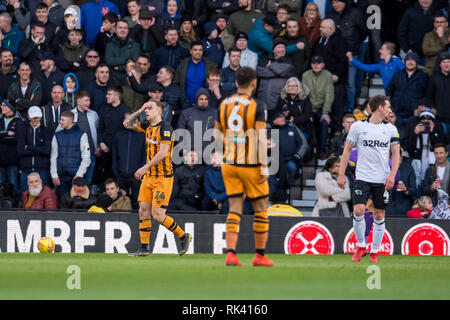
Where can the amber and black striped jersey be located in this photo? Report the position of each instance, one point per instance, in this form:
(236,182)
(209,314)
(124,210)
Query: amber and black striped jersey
(154,137)
(238,117)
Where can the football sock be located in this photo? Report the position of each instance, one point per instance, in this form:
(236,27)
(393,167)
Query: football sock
(232,251)
(145,228)
(261,230)
(359,227)
(260,251)
(171,225)
(378,232)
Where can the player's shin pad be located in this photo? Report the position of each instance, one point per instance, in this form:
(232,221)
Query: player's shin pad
(145,228)
(233,221)
(261,222)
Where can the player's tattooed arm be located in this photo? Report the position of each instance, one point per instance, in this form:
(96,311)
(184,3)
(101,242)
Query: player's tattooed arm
(131,121)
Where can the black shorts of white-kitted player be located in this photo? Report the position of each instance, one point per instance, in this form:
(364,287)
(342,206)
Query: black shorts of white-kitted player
(362,191)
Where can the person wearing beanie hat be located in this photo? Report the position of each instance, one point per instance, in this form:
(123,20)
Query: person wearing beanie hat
(10,122)
(200,113)
(188,32)
(79,196)
(212,44)
(248,57)
(406,88)
(273,72)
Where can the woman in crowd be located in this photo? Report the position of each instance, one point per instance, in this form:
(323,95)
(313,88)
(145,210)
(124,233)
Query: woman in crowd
(187,33)
(310,23)
(331,199)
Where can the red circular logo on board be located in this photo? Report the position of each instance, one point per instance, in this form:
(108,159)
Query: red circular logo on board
(425,239)
(309,237)
(386,247)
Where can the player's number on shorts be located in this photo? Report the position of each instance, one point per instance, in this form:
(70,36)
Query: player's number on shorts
(159,196)
(235,121)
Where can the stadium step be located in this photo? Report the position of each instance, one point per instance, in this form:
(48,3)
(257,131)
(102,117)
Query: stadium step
(303,204)
(309,194)
(376,91)
(309,183)
(376,82)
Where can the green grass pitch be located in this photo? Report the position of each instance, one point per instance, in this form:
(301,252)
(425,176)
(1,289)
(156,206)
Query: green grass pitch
(205,276)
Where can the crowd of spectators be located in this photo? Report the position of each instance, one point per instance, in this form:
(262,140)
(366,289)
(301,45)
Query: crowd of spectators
(73,71)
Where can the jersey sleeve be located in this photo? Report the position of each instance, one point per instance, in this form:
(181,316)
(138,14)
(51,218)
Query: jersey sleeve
(353,133)
(166,133)
(142,126)
(395,136)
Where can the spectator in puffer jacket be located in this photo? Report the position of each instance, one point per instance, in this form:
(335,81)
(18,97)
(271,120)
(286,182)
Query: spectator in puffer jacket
(128,155)
(188,193)
(38,195)
(79,196)
(199,116)
(216,195)
(70,156)
(34,146)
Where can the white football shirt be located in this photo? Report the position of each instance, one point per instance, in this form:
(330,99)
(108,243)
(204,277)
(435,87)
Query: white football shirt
(373,142)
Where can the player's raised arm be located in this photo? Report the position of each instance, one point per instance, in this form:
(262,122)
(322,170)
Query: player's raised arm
(131,121)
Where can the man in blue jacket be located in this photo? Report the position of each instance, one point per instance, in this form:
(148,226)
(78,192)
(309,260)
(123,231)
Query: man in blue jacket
(91,17)
(388,65)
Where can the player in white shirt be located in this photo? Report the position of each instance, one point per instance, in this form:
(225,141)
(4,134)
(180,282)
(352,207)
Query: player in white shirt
(376,140)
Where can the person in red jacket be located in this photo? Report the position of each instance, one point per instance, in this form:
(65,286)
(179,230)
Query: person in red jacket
(422,208)
(38,196)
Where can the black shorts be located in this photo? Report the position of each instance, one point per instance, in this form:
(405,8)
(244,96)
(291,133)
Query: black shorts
(362,191)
